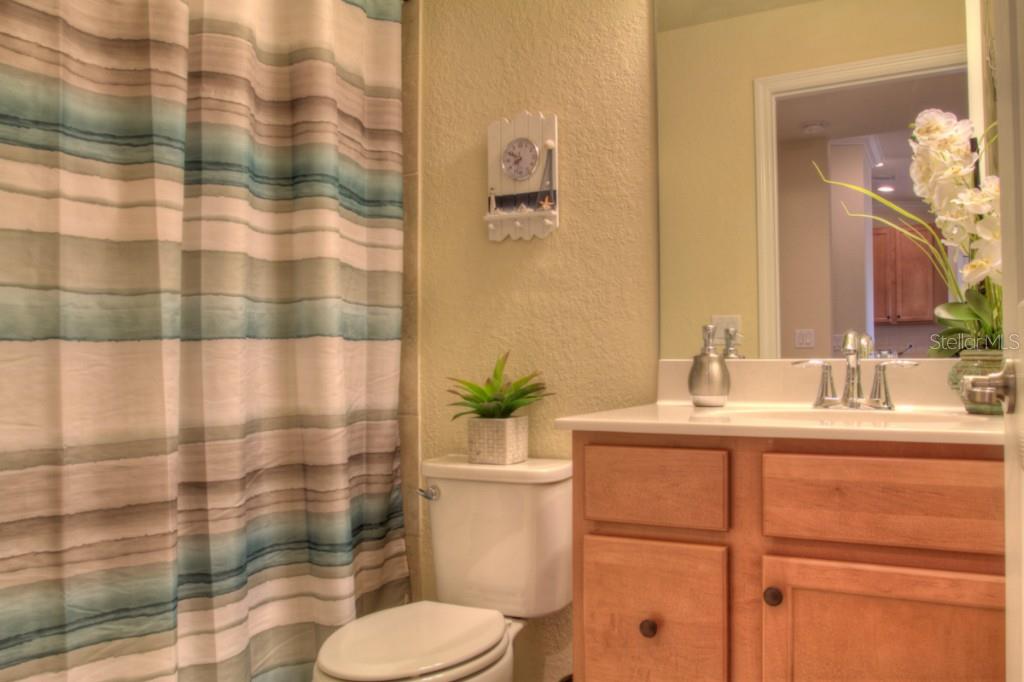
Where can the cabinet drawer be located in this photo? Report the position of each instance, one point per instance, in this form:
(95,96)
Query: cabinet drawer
(653,610)
(954,505)
(675,487)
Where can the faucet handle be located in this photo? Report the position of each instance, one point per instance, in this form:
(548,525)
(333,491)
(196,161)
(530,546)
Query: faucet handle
(865,345)
(851,342)
(881,398)
(826,387)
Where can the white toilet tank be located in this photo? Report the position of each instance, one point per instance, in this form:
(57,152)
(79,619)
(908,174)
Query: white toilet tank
(502,534)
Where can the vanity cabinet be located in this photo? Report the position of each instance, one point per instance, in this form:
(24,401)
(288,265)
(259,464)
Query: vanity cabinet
(707,558)
(906,286)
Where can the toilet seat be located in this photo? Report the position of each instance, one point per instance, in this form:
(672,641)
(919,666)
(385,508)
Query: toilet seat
(424,641)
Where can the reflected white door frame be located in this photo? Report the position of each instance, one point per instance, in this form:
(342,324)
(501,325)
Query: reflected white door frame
(767,92)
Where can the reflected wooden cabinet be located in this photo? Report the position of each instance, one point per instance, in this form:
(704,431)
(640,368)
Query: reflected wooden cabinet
(710,558)
(906,286)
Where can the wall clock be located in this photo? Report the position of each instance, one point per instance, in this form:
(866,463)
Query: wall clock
(522,176)
(519,160)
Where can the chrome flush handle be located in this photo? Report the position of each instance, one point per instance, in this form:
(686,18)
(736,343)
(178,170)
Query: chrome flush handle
(430,494)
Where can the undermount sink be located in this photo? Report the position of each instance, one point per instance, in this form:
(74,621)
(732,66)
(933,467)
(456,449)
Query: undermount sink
(913,418)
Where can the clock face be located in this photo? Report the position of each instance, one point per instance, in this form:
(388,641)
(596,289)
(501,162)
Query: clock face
(519,160)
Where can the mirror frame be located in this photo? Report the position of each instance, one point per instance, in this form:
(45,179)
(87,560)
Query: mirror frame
(767,92)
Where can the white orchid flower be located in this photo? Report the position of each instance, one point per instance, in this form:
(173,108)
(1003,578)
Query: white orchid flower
(957,226)
(989,228)
(932,124)
(948,185)
(976,271)
(987,263)
(981,200)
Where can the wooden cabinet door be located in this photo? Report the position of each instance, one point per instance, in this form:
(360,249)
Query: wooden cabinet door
(842,621)
(906,286)
(884,275)
(652,611)
(915,282)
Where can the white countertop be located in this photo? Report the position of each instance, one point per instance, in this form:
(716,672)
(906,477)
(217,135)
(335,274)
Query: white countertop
(918,424)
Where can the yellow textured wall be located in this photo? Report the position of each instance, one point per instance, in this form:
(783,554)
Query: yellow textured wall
(706,122)
(580,305)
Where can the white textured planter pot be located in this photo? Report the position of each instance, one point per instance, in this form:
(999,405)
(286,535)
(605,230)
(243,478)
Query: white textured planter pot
(498,441)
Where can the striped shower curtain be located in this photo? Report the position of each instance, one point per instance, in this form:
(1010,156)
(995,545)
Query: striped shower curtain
(200,287)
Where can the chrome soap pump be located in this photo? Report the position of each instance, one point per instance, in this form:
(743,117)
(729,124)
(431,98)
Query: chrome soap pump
(709,377)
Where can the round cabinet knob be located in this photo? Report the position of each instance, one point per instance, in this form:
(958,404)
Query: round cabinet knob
(773,596)
(648,628)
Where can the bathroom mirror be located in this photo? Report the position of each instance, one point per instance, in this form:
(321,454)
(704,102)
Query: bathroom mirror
(750,93)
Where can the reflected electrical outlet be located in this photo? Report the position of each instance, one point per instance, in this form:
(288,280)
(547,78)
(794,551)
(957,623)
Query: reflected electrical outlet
(804,338)
(723,322)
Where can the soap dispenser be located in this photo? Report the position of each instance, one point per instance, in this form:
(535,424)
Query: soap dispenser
(709,377)
(732,341)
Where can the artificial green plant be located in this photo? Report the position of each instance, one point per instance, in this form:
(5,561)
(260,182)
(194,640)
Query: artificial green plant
(497,397)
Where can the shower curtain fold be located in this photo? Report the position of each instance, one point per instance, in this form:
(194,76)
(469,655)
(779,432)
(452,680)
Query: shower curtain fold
(200,304)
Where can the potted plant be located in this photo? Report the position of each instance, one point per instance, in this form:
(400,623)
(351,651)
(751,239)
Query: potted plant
(963,241)
(494,435)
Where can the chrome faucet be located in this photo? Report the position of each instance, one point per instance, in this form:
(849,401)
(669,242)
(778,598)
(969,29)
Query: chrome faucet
(855,346)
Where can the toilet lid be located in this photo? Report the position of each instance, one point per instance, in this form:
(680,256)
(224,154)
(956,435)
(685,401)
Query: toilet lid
(410,641)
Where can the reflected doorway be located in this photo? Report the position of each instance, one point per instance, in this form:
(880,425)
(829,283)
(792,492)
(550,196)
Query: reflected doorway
(838,271)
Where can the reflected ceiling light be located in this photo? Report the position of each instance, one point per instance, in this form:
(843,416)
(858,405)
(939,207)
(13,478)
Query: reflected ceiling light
(813,127)
(886,189)
(879,164)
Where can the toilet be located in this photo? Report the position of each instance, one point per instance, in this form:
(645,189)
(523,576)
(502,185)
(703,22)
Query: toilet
(502,545)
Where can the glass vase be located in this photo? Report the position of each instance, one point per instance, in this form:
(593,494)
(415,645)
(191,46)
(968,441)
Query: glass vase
(976,363)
